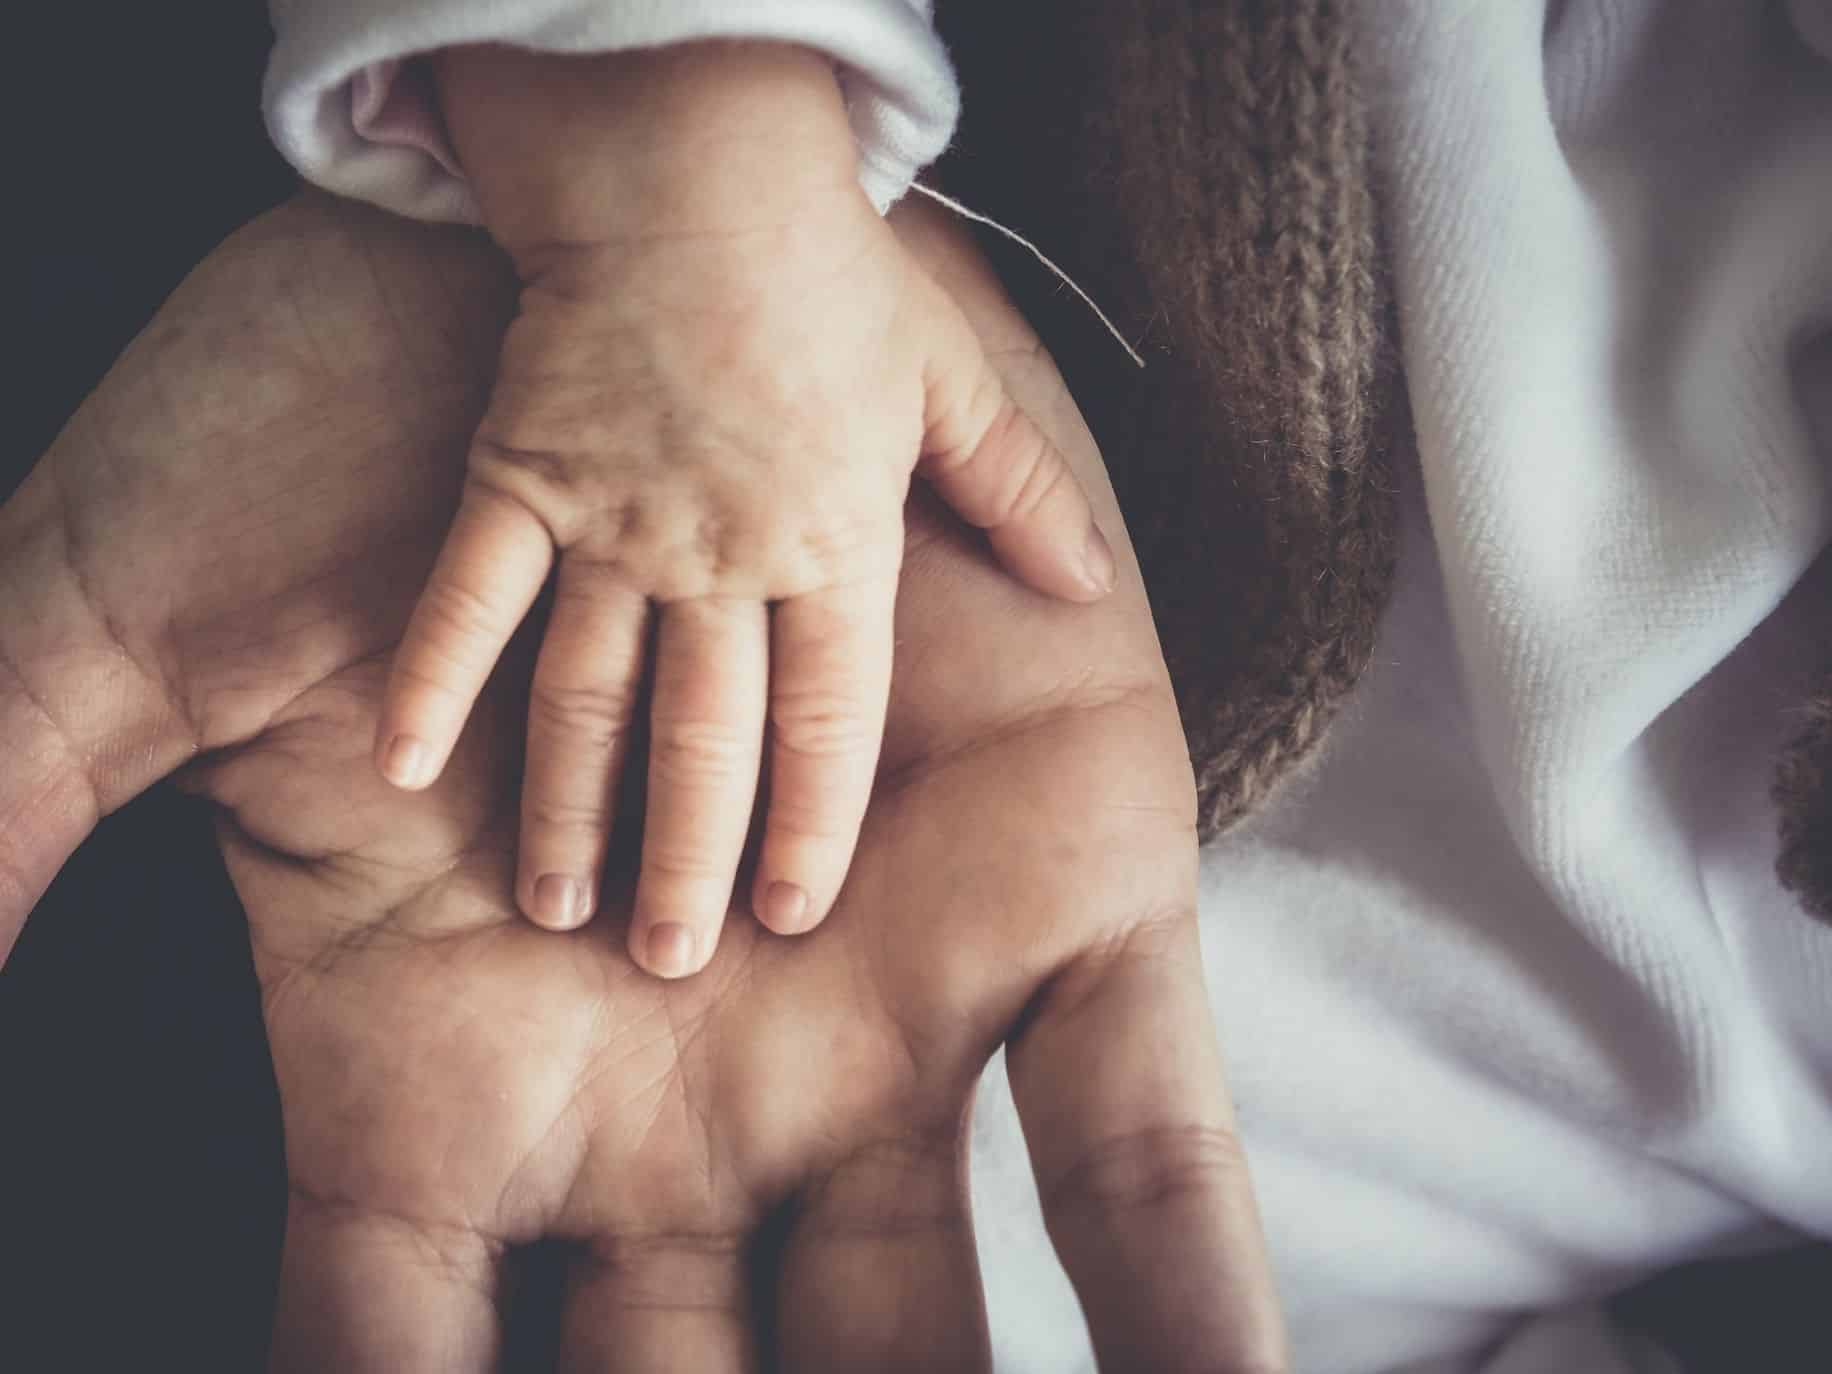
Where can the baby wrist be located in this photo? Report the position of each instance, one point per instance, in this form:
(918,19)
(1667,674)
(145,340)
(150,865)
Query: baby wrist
(698,137)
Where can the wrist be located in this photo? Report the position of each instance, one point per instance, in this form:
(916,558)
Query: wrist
(694,138)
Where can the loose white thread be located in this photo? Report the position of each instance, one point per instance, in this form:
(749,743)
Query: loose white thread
(1037,253)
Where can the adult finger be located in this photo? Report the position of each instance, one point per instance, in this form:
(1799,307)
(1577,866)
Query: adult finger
(998,470)
(1145,1190)
(495,558)
(653,1306)
(366,1293)
(880,1272)
(580,714)
(705,750)
(830,684)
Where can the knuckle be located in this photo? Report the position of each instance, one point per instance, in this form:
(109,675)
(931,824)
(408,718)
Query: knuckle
(686,868)
(503,469)
(457,614)
(810,822)
(853,546)
(548,813)
(714,542)
(562,491)
(712,553)
(592,717)
(427,680)
(699,752)
(509,490)
(596,583)
(821,725)
(990,413)
(1037,477)
(1150,1169)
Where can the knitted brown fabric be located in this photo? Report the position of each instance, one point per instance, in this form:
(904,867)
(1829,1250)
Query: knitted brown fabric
(1201,167)
(1803,801)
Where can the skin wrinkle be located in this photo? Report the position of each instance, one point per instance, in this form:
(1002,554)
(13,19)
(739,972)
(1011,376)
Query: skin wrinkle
(714,547)
(913,1153)
(626,245)
(631,1256)
(1083,966)
(72,559)
(597,1043)
(816,725)
(421,1229)
(706,1132)
(405,339)
(1036,481)
(544,811)
(496,1232)
(600,1065)
(1144,1169)
(16,886)
(1075,704)
(361,934)
(546,467)
(325,864)
(75,760)
(346,858)
(454,606)
(670,1077)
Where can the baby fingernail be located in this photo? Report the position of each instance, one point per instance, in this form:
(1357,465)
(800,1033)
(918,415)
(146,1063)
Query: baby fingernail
(1097,561)
(407,762)
(559,901)
(670,950)
(785,908)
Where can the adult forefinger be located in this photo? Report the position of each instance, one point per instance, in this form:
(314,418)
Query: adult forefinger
(1118,1082)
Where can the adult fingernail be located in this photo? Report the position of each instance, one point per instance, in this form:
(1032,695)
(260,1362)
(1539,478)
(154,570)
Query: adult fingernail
(670,950)
(560,902)
(1097,564)
(785,908)
(407,762)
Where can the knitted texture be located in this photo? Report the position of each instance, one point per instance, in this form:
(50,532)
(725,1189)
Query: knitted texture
(1202,167)
(1803,803)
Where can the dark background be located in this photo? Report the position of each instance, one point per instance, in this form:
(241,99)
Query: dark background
(141,1168)
(141,1176)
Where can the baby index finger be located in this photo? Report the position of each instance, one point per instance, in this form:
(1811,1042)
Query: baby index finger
(492,567)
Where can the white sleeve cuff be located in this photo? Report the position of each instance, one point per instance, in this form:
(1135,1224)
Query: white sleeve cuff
(345,110)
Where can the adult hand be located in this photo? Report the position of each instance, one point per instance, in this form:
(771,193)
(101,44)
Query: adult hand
(455,1083)
(237,512)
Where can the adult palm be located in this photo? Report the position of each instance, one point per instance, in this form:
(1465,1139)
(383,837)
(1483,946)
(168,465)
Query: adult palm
(282,447)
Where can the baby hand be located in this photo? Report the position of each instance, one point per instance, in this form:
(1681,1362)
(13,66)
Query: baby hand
(724,370)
